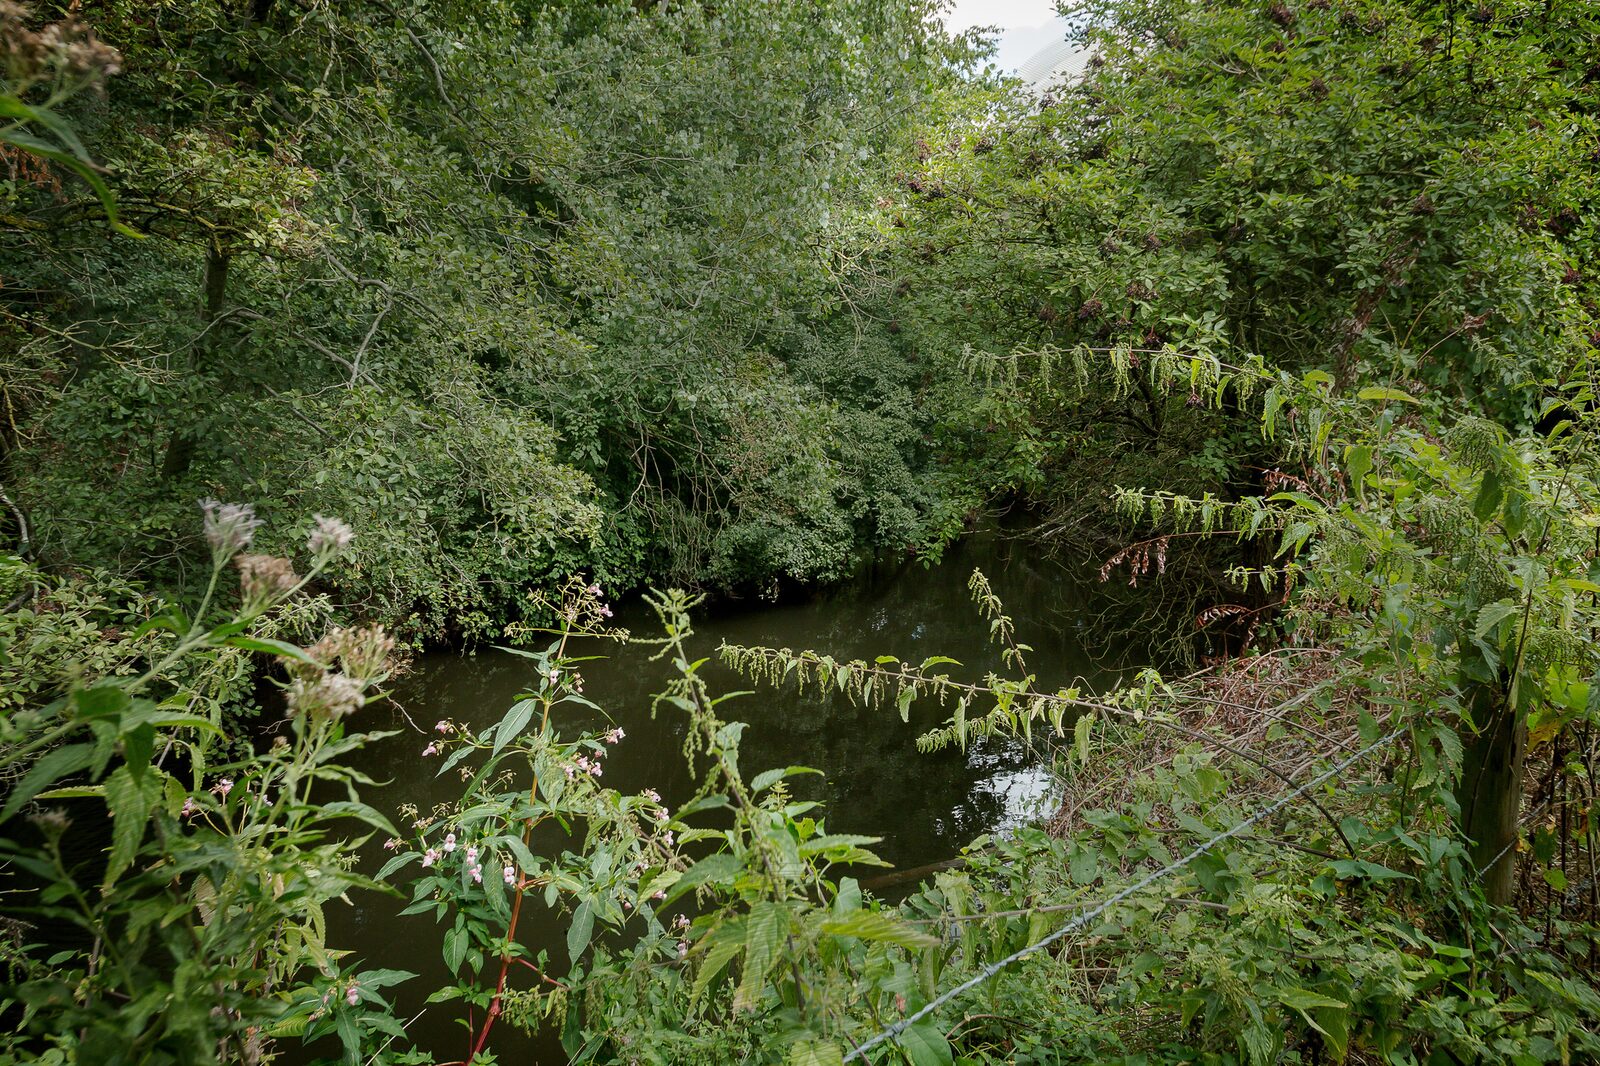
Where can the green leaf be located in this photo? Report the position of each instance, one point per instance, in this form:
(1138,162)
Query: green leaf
(767,778)
(765,930)
(720,946)
(926,1045)
(581,930)
(1379,392)
(880,927)
(1081,730)
(50,768)
(721,867)
(129,800)
(514,722)
(456,942)
(813,1053)
(268,646)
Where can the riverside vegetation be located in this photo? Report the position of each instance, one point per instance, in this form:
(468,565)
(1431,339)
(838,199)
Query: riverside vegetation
(1285,313)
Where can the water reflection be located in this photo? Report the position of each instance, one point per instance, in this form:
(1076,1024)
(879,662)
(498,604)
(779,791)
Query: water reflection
(925,806)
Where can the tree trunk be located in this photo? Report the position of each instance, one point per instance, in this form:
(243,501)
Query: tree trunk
(1490,791)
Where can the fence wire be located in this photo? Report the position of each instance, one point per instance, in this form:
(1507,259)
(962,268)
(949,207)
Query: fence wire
(1088,916)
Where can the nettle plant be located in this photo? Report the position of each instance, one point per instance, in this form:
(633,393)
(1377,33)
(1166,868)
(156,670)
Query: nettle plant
(189,927)
(741,939)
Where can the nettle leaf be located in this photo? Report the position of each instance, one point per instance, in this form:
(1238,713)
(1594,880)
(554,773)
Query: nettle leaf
(721,945)
(766,928)
(812,1053)
(879,927)
(129,800)
(719,868)
(50,768)
(926,1045)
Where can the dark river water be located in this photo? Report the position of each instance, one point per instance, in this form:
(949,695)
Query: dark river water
(926,807)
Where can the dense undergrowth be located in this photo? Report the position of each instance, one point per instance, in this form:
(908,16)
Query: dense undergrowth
(1288,310)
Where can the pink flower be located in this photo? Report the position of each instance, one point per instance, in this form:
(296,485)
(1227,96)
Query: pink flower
(658,895)
(223,787)
(442,726)
(430,857)
(510,874)
(667,838)
(570,770)
(391,844)
(662,815)
(605,611)
(189,807)
(681,922)
(352,995)
(477,874)
(652,795)
(683,949)
(449,842)
(431,749)
(593,590)
(615,735)
(472,855)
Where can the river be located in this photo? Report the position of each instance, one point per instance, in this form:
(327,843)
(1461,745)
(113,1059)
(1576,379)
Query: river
(925,806)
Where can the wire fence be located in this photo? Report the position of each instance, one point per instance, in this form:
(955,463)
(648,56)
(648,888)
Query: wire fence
(893,1031)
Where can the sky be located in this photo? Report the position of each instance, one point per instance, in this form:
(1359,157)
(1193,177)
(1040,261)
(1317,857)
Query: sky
(1026,25)
(1007,14)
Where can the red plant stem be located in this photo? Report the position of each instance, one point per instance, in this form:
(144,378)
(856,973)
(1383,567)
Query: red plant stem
(516,906)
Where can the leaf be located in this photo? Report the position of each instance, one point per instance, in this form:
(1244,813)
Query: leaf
(581,930)
(512,725)
(50,768)
(926,1045)
(767,778)
(456,943)
(880,927)
(1357,464)
(721,946)
(902,703)
(361,811)
(1379,392)
(765,930)
(813,1053)
(719,867)
(128,799)
(1081,730)
(267,646)
(1493,615)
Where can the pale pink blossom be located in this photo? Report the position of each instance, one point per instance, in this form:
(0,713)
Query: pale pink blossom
(449,842)
(430,857)
(683,949)
(477,874)
(652,795)
(189,807)
(223,787)
(615,735)
(431,749)
(442,726)
(510,875)
(472,856)
(352,995)
(391,844)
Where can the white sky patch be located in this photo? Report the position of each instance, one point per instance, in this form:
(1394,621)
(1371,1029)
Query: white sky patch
(1007,14)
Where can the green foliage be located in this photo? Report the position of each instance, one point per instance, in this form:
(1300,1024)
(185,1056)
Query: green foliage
(539,290)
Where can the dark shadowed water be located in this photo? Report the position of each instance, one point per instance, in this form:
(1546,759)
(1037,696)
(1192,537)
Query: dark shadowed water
(926,807)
